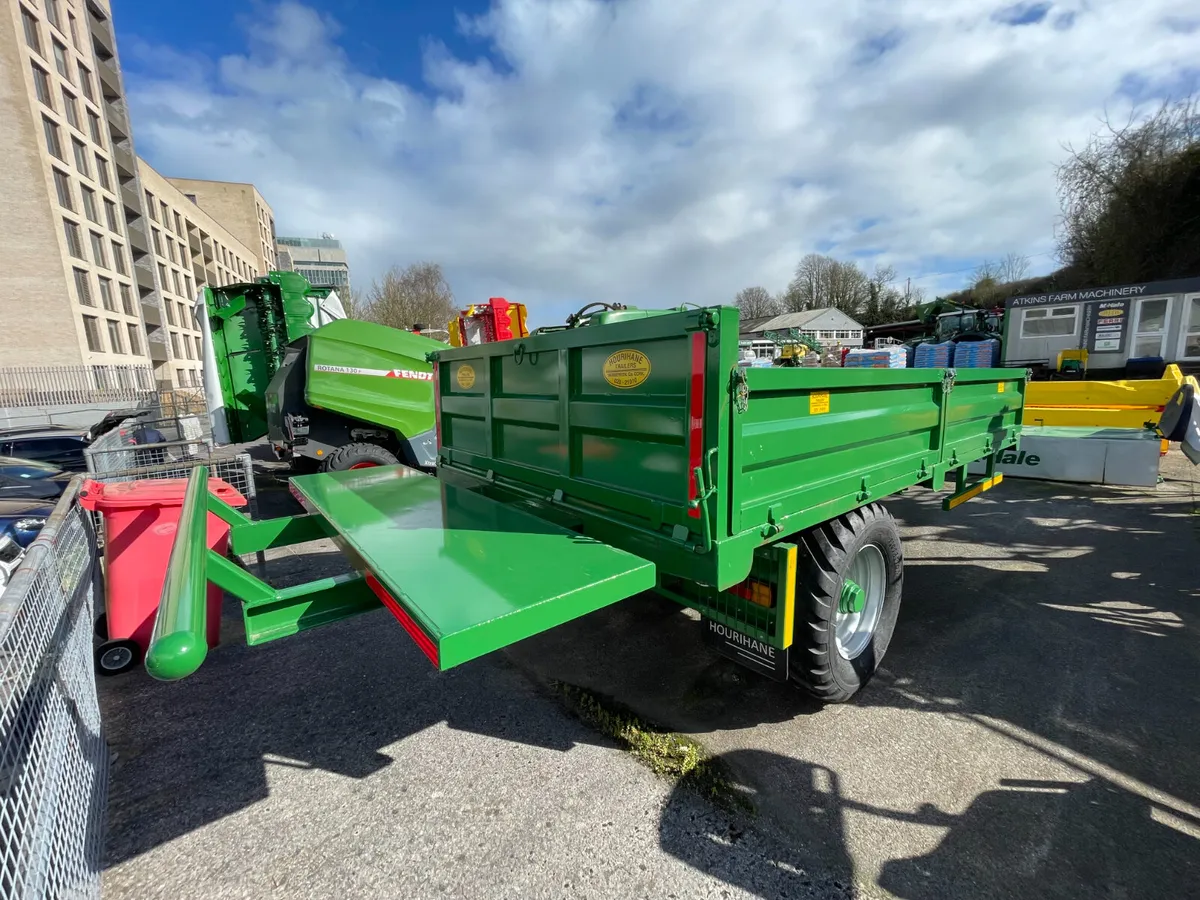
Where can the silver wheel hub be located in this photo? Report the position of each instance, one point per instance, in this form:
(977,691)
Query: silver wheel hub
(854,623)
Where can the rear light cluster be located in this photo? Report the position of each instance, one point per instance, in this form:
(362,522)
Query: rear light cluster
(760,593)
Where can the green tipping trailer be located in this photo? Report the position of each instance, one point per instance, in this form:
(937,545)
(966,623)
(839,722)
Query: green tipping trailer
(627,452)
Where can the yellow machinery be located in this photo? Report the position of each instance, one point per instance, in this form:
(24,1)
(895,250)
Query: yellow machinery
(1102,404)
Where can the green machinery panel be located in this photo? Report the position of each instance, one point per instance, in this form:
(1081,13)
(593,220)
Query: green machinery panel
(466,575)
(646,434)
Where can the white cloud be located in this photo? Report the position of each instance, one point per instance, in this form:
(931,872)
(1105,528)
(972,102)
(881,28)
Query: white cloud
(660,151)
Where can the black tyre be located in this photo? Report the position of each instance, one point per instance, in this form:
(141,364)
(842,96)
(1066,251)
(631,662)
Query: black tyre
(848,583)
(359,456)
(115,657)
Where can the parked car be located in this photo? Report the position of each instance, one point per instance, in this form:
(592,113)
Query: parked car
(63,446)
(27,479)
(22,520)
(53,444)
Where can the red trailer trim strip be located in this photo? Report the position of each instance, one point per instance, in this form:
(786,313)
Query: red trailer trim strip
(696,418)
(428,647)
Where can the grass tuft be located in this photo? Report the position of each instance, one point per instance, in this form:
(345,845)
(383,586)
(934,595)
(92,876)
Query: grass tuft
(667,753)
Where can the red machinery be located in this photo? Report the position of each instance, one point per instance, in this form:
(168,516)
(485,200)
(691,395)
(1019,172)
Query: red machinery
(483,323)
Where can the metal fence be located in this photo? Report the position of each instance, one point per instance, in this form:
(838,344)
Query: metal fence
(54,762)
(22,386)
(143,442)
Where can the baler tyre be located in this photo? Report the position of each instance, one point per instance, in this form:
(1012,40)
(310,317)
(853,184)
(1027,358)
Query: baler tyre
(835,650)
(359,456)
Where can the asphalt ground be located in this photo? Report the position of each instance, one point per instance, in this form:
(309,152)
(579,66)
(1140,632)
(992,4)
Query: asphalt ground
(1035,732)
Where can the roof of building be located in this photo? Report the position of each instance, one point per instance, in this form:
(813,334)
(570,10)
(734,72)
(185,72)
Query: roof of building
(799,320)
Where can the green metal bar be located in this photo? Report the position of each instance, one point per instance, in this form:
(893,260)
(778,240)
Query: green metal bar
(270,613)
(179,642)
(227,513)
(252,537)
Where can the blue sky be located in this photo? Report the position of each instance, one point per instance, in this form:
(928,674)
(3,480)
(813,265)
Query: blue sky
(564,151)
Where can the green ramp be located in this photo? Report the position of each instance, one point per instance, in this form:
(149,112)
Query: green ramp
(465,574)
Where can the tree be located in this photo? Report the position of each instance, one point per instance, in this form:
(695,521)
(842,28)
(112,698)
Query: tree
(352,302)
(416,295)
(756,302)
(822,281)
(1129,198)
(1012,268)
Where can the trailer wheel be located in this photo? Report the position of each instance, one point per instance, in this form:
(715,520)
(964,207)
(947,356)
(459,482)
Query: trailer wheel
(359,456)
(848,587)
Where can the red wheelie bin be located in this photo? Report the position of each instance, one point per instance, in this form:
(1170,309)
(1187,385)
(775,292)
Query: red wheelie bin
(140,519)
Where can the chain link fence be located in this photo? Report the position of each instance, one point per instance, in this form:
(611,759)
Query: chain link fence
(54,761)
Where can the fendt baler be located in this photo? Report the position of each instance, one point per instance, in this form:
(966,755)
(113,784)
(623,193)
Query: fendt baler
(625,452)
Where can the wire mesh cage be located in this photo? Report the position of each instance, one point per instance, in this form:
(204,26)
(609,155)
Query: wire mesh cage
(54,762)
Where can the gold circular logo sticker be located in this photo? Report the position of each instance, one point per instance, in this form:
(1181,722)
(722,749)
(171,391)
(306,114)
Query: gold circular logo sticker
(626,368)
(465,376)
(1109,313)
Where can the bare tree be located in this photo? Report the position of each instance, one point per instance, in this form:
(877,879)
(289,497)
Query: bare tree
(355,306)
(416,295)
(1012,268)
(755,302)
(822,281)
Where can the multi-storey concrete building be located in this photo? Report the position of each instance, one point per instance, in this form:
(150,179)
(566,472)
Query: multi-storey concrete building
(321,260)
(190,248)
(91,274)
(241,209)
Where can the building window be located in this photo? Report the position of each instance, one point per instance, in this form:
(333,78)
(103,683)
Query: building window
(53,144)
(81,159)
(1191,328)
(110,215)
(191,197)
(178,225)
(135,343)
(60,59)
(74,244)
(170,249)
(94,128)
(41,85)
(1150,328)
(119,258)
(175,345)
(114,336)
(127,303)
(53,15)
(98,250)
(91,329)
(83,289)
(185,320)
(200,348)
(102,172)
(150,207)
(187,346)
(156,237)
(187,280)
(89,204)
(62,187)
(1053,321)
(32,35)
(175,281)
(85,82)
(162,276)
(166,214)
(71,109)
(107,300)
(74,30)
(170,307)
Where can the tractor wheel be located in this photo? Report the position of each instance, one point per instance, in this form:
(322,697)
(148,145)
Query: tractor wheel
(359,456)
(848,587)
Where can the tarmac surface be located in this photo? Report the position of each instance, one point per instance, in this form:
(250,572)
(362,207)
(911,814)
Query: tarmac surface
(1035,732)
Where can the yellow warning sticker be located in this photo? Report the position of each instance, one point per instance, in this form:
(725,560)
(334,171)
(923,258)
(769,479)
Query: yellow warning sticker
(818,402)
(465,376)
(626,368)
(1000,388)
